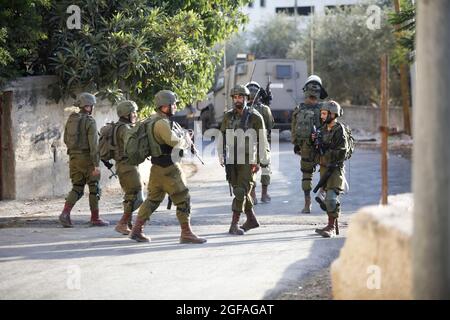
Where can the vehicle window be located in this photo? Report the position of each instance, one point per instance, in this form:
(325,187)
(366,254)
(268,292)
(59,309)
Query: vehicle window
(241,69)
(284,71)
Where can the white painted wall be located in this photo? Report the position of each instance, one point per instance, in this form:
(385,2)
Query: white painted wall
(258,14)
(41,161)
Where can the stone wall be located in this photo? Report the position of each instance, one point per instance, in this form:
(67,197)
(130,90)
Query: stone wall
(376,260)
(368,119)
(37,124)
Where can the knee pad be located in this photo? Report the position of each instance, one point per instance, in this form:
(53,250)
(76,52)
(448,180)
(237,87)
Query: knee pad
(332,201)
(185,206)
(239,193)
(79,190)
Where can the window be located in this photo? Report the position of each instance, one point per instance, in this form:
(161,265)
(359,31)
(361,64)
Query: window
(250,5)
(301,11)
(283,71)
(241,69)
(262,3)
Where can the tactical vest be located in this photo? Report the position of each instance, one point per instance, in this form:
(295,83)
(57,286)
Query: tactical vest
(245,122)
(307,117)
(75,135)
(327,137)
(164,157)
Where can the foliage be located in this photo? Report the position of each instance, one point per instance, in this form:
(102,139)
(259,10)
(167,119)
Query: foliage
(347,54)
(21,31)
(141,46)
(406,33)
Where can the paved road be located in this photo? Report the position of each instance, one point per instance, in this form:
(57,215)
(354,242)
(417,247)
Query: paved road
(44,261)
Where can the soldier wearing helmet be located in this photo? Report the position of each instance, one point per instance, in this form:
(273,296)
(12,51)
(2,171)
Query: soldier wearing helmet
(244,149)
(255,101)
(81,139)
(166,176)
(305,118)
(129,177)
(334,146)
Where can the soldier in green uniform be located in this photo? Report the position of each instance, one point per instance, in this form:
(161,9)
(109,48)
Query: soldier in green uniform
(255,102)
(129,177)
(166,174)
(335,145)
(243,149)
(81,139)
(305,117)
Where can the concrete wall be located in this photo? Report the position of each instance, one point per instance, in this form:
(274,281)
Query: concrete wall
(258,14)
(376,260)
(41,162)
(368,119)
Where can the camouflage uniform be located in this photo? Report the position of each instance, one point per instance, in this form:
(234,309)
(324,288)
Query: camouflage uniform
(129,177)
(304,118)
(81,138)
(239,173)
(166,176)
(334,144)
(256,93)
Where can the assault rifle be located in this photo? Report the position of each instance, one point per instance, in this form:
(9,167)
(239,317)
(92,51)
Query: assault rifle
(109,165)
(182,133)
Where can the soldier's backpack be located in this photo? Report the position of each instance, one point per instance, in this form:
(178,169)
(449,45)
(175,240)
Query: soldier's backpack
(107,144)
(306,119)
(74,134)
(350,141)
(139,145)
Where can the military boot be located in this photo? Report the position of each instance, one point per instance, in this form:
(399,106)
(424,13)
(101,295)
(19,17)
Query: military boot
(320,199)
(137,231)
(329,222)
(251,222)
(122,225)
(253,195)
(234,228)
(307,208)
(265,196)
(331,230)
(129,222)
(96,221)
(64,217)
(187,236)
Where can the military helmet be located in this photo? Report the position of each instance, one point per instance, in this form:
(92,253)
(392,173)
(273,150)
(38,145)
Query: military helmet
(85,99)
(165,98)
(124,108)
(240,90)
(313,87)
(254,88)
(332,107)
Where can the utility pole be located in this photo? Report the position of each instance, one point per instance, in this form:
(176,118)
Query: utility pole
(312,39)
(431,153)
(384,127)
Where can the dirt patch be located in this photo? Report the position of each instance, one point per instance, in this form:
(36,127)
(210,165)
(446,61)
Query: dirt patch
(316,286)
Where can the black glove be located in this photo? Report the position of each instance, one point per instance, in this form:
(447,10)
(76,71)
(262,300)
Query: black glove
(107,164)
(297,149)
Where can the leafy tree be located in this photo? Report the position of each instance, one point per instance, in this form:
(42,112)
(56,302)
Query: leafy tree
(273,37)
(347,54)
(21,31)
(406,33)
(139,47)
